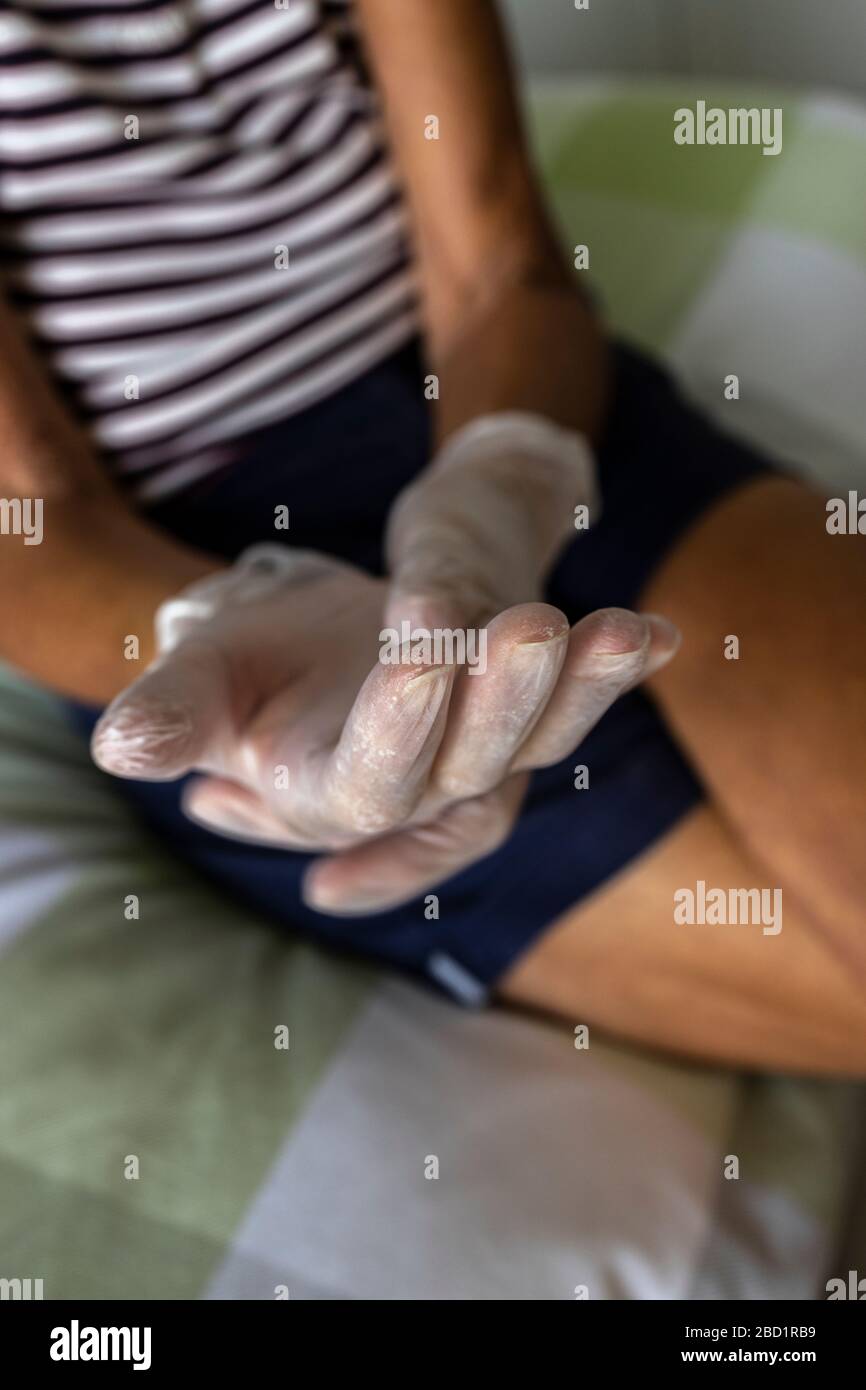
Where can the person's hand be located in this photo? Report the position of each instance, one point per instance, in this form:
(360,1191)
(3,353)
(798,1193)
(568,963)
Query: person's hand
(477,531)
(267,681)
(269,684)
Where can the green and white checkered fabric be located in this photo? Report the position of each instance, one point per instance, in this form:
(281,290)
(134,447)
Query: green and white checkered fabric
(261,1168)
(724,260)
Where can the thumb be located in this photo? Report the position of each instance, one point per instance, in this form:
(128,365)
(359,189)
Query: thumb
(165,723)
(384,873)
(455,553)
(409,609)
(483,524)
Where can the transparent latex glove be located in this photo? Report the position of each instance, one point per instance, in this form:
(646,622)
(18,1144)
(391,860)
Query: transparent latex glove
(269,683)
(477,531)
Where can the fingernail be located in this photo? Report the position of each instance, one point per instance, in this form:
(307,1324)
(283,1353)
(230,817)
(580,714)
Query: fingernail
(422,613)
(537,642)
(430,683)
(233,824)
(230,822)
(356,904)
(664,628)
(221,813)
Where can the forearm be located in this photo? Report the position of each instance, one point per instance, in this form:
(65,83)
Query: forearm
(533,347)
(98,571)
(506,326)
(94,582)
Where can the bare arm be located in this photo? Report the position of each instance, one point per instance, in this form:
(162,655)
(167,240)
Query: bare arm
(506,326)
(99,571)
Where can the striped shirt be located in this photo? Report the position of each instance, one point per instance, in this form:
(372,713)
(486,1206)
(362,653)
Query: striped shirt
(198,216)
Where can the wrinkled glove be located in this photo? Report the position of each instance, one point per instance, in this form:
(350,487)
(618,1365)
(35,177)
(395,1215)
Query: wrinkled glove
(267,681)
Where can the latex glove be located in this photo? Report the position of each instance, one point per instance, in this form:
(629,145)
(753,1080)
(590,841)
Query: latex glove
(479,529)
(544,689)
(268,681)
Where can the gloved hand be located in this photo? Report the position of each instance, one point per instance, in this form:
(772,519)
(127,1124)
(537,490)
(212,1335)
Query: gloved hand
(478,530)
(268,682)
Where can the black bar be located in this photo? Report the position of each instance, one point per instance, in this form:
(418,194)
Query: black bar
(252,1339)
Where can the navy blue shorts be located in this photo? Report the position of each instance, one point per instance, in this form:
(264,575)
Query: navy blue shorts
(337,467)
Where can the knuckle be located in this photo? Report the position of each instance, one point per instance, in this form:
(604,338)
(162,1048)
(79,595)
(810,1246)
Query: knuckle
(485,820)
(364,817)
(459,784)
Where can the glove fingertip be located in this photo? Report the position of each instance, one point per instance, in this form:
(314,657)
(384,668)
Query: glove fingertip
(149,742)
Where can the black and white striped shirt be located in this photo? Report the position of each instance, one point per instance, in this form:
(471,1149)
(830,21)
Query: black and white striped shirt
(198,217)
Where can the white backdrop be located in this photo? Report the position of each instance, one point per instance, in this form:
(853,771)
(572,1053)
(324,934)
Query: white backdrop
(821,43)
